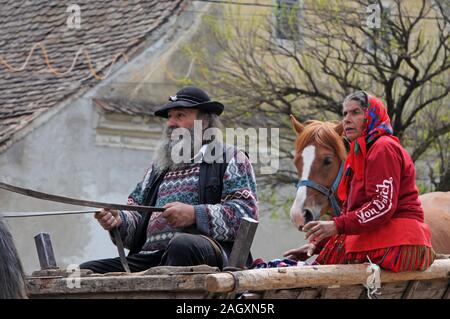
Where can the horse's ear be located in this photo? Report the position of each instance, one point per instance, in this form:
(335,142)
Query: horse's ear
(339,128)
(298,127)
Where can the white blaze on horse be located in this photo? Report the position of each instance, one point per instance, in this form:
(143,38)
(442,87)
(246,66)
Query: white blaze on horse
(12,278)
(319,155)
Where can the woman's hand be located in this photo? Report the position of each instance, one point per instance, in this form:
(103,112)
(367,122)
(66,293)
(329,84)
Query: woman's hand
(302,253)
(318,230)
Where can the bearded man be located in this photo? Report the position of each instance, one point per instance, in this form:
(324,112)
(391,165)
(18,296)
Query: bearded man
(206,188)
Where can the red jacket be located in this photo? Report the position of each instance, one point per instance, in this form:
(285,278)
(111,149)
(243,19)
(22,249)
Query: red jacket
(387,191)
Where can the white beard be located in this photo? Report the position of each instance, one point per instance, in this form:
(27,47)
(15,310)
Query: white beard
(163,154)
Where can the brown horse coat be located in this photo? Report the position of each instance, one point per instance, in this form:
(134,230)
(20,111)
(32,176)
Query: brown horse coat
(437,215)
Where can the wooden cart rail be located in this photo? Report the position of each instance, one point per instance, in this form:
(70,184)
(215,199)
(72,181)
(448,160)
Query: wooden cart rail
(327,281)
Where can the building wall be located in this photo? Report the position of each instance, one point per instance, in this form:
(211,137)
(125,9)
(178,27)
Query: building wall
(64,155)
(68,153)
(61,158)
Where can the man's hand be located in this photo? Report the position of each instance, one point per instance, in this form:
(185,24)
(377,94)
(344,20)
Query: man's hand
(302,253)
(318,230)
(108,218)
(179,215)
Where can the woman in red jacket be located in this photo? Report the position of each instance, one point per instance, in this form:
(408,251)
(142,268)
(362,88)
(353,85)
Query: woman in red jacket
(382,218)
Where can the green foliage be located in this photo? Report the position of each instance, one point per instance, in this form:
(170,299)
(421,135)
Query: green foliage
(423,187)
(263,80)
(275,204)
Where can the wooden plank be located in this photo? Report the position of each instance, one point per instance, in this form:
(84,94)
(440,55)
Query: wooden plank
(57,272)
(363,294)
(430,289)
(251,295)
(243,242)
(125,295)
(282,294)
(322,292)
(342,292)
(309,293)
(446,294)
(118,284)
(410,289)
(172,270)
(45,281)
(168,284)
(425,289)
(311,276)
(393,290)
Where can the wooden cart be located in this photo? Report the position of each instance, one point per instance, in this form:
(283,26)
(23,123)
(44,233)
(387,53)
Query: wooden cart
(200,282)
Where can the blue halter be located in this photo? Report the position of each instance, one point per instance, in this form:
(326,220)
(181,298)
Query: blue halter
(330,193)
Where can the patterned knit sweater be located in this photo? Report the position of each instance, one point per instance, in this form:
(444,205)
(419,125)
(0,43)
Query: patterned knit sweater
(220,221)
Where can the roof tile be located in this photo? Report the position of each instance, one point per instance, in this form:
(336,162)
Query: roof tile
(108,28)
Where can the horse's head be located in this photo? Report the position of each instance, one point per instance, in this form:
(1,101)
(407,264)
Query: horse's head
(318,157)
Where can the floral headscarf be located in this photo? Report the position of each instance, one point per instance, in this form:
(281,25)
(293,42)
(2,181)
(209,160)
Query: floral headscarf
(377,123)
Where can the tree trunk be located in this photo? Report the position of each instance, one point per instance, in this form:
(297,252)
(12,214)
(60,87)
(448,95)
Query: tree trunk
(444,183)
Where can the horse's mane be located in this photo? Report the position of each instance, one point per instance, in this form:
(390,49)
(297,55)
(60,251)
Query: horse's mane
(324,134)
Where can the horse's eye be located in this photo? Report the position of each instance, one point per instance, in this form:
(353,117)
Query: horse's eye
(327,161)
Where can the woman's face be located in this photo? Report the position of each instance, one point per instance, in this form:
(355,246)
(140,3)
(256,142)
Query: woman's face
(353,120)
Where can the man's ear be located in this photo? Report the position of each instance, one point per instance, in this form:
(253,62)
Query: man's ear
(339,128)
(298,127)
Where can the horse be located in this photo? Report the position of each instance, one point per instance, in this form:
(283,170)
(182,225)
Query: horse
(319,155)
(12,276)
(437,215)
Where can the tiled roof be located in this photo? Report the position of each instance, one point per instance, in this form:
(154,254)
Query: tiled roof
(107,30)
(125,107)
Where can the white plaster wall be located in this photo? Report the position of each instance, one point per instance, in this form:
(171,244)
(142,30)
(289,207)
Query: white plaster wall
(61,157)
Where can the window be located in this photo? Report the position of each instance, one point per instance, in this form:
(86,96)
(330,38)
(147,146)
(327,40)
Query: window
(287,19)
(122,124)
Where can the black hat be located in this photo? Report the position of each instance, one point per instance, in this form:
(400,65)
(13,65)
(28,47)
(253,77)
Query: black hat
(190,97)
